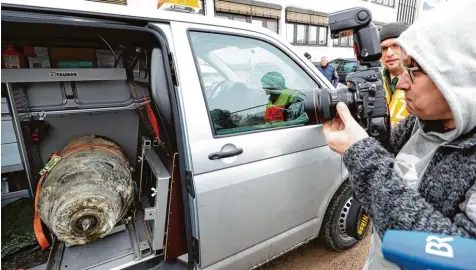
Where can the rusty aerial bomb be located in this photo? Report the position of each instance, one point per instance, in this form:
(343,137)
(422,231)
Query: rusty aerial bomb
(87,192)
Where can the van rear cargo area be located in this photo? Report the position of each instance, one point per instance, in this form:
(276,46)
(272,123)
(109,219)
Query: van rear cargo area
(78,112)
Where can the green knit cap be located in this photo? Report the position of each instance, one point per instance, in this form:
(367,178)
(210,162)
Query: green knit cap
(273,80)
(392,30)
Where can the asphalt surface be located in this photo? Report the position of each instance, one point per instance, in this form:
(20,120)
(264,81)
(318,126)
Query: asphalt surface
(315,256)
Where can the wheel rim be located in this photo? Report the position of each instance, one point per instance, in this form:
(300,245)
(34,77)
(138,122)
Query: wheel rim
(342,220)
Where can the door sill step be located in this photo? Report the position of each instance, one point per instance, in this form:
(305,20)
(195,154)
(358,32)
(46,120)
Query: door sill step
(183,258)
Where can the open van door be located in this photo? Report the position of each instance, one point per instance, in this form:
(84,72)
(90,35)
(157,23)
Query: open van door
(256,189)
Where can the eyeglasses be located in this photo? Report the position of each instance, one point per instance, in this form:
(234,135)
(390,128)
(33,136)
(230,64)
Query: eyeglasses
(395,47)
(411,71)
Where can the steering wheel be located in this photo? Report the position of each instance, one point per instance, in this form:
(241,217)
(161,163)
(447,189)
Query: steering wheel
(225,87)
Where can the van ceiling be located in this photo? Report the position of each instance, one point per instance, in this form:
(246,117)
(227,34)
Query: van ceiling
(69,35)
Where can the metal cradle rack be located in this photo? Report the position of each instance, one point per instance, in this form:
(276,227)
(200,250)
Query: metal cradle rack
(40,93)
(55,94)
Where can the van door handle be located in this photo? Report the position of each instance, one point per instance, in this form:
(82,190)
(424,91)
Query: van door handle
(219,155)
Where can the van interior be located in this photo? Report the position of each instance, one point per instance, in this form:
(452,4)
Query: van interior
(64,78)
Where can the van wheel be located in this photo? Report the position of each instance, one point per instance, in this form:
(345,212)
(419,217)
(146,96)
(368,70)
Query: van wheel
(333,227)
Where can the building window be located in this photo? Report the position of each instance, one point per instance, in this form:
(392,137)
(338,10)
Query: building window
(271,24)
(266,23)
(407,11)
(347,41)
(389,3)
(312,35)
(257,22)
(310,27)
(301,34)
(322,36)
(290,33)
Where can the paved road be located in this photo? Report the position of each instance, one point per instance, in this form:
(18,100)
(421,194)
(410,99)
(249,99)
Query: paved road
(314,256)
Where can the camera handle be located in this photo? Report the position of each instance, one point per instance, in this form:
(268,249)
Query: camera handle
(373,111)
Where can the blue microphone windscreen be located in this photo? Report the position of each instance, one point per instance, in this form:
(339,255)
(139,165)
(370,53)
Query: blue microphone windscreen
(421,251)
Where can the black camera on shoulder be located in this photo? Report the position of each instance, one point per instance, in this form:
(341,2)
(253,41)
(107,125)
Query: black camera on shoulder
(365,95)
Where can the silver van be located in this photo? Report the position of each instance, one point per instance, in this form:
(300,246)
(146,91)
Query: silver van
(219,188)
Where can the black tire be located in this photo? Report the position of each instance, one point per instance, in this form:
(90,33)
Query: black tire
(332,233)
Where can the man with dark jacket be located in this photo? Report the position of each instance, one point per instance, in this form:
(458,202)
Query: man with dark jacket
(328,71)
(426,180)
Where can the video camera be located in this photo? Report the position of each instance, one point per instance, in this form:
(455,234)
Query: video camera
(365,96)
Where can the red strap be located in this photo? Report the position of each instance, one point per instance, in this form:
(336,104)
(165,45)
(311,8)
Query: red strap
(150,113)
(37,227)
(153,120)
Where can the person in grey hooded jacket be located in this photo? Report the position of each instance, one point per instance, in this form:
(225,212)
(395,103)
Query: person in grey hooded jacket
(426,181)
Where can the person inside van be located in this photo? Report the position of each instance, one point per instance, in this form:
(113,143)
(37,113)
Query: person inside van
(426,180)
(283,105)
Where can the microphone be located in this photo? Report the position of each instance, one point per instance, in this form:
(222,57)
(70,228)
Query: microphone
(428,251)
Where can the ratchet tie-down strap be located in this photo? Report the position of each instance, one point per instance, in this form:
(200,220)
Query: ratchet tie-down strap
(37,227)
(54,160)
(150,113)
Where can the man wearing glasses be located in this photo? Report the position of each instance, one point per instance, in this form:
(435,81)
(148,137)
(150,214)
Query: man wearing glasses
(391,59)
(426,180)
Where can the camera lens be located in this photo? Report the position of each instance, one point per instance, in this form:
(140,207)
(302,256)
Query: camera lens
(320,104)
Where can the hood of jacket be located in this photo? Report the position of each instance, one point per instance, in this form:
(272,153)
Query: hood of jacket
(443,44)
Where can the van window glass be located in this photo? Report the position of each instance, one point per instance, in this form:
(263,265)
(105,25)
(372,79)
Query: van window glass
(334,64)
(210,76)
(260,87)
(349,66)
(363,68)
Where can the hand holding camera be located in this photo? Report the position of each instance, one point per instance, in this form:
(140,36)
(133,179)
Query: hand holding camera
(343,130)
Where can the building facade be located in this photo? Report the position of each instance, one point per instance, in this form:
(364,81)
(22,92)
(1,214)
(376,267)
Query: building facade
(304,23)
